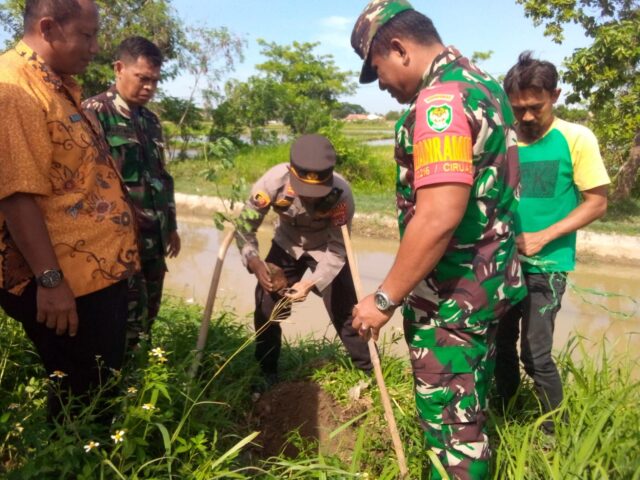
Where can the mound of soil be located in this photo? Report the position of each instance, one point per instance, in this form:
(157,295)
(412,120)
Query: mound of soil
(306,408)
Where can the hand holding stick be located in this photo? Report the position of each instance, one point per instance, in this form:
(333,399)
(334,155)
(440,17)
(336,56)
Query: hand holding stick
(375,360)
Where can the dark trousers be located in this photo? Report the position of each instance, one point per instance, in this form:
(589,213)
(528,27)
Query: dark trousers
(538,313)
(145,297)
(86,359)
(339,299)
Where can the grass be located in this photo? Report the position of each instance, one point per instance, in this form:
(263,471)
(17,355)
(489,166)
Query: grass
(373,182)
(622,218)
(371,194)
(202,429)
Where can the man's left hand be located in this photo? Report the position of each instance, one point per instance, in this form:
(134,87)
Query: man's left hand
(299,291)
(173,249)
(530,243)
(367,319)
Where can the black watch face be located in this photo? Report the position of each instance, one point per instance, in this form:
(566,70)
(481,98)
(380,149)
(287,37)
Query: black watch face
(381,301)
(50,279)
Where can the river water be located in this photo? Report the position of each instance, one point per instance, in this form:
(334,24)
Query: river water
(583,314)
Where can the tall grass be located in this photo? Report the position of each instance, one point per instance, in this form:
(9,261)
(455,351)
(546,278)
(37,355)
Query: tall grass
(600,438)
(174,428)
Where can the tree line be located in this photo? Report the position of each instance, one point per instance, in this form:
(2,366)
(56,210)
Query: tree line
(301,88)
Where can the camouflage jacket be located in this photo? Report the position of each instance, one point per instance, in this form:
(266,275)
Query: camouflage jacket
(136,142)
(459,128)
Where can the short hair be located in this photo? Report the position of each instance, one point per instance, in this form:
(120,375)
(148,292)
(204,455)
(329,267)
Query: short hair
(60,10)
(530,73)
(134,47)
(409,24)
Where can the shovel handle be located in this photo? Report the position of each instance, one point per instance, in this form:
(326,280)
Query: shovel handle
(375,360)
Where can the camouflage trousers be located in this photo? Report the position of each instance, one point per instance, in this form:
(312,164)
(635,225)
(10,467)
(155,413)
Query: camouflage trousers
(453,369)
(145,295)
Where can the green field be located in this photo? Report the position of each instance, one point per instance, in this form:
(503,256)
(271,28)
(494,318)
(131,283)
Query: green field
(372,180)
(371,193)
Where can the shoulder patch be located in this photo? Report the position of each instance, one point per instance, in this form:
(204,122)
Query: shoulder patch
(283,202)
(261,200)
(439,97)
(439,117)
(339,214)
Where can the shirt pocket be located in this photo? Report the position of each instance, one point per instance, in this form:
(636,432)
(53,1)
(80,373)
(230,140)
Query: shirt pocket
(125,151)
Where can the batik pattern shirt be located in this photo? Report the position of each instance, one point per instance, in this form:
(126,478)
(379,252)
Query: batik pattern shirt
(50,149)
(136,142)
(460,129)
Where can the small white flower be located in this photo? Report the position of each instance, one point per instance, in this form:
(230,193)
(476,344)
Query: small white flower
(58,374)
(157,352)
(148,406)
(13,406)
(132,390)
(143,336)
(19,428)
(91,445)
(118,436)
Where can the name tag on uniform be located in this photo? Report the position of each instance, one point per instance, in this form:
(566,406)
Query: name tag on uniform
(76,117)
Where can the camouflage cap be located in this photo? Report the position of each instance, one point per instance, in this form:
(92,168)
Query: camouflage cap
(375,15)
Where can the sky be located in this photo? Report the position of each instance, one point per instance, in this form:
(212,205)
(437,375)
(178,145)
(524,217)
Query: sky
(497,25)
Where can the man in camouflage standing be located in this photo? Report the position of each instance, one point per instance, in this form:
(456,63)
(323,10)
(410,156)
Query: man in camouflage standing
(134,134)
(457,270)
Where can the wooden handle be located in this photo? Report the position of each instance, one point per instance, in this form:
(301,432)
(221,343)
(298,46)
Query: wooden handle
(211,298)
(375,360)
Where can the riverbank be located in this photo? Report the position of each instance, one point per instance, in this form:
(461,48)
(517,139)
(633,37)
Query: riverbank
(611,247)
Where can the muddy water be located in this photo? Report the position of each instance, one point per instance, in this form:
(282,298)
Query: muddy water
(190,274)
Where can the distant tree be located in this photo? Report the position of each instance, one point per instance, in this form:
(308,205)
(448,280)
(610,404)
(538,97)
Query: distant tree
(478,57)
(604,74)
(246,107)
(206,53)
(154,19)
(576,115)
(392,115)
(294,85)
(186,118)
(344,108)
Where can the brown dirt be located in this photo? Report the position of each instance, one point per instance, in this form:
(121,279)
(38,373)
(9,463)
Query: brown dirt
(277,277)
(306,408)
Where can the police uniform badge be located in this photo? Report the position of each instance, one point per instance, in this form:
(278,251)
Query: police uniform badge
(261,200)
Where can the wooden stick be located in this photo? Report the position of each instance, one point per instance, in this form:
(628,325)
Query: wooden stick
(375,359)
(211,298)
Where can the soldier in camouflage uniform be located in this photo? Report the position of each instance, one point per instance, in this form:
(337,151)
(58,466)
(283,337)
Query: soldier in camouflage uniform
(134,134)
(457,270)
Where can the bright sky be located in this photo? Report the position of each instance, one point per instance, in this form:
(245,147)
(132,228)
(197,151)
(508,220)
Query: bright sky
(498,25)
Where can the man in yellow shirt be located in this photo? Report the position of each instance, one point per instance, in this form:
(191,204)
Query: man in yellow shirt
(67,239)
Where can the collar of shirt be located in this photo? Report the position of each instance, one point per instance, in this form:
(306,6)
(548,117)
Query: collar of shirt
(121,106)
(52,79)
(449,55)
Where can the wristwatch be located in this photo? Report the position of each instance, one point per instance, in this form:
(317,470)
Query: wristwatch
(383,302)
(50,278)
